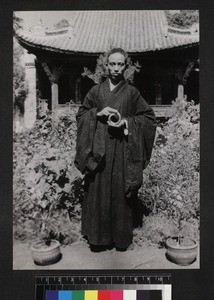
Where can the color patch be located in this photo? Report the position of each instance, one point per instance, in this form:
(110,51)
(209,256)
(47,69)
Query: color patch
(51,295)
(104,295)
(78,295)
(91,295)
(65,295)
(156,295)
(116,295)
(143,295)
(129,295)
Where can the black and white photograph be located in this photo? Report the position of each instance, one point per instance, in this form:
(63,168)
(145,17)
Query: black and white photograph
(106,131)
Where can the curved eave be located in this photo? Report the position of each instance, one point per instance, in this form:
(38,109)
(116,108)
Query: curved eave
(194,44)
(34,47)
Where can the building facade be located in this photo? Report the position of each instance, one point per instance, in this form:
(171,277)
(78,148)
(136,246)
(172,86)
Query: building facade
(168,56)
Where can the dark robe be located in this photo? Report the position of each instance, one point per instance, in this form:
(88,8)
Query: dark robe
(112,162)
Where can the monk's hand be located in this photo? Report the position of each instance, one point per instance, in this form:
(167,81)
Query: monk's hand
(106,111)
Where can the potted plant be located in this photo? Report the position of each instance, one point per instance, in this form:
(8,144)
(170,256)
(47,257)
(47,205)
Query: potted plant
(46,250)
(47,187)
(183,191)
(171,184)
(54,205)
(182,248)
(50,186)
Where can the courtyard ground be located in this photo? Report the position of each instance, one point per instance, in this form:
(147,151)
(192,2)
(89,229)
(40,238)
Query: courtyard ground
(79,257)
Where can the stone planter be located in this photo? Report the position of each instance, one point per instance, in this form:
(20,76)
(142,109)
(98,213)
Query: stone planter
(182,253)
(46,255)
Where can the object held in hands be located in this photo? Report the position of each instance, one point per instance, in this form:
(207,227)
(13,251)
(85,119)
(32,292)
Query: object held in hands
(114,118)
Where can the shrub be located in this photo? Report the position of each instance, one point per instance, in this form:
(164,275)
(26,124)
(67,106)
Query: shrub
(47,186)
(155,230)
(183,19)
(171,181)
(20,88)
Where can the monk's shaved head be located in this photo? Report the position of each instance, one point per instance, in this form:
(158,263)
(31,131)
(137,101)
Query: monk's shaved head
(118,50)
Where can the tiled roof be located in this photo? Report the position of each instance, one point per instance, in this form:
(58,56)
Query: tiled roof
(97,31)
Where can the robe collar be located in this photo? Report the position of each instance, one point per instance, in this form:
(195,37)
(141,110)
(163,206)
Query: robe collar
(117,87)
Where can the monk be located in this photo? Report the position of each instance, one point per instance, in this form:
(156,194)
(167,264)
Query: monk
(112,154)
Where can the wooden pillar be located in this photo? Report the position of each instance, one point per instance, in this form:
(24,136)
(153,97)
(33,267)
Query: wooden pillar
(53,76)
(30,101)
(180,91)
(157,84)
(54,95)
(182,79)
(158,95)
(78,90)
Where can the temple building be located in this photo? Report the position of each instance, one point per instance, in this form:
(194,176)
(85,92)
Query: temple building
(168,56)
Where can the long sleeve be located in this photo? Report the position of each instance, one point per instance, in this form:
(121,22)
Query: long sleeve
(88,104)
(90,141)
(141,128)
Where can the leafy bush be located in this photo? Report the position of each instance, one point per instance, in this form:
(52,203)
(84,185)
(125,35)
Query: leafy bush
(47,186)
(171,181)
(62,24)
(183,19)
(20,88)
(155,230)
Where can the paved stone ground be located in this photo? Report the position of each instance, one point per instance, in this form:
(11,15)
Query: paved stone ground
(80,257)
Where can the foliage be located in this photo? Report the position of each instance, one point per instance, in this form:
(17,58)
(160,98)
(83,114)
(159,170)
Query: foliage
(47,186)
(183,76)
(48,189)
(20,88)
(17,23)
(62,24)
(154,230)
(101,71)
(171,181)
(183,19)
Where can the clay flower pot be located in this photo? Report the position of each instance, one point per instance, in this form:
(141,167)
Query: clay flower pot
(46,254)
(182,252)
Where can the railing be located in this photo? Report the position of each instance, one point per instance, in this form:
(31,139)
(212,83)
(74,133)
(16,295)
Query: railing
(161,111)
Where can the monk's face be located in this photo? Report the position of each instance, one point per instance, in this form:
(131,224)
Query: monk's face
(116,65)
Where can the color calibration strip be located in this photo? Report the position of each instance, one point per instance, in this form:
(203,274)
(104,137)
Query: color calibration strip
(134,287)
(104,295)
